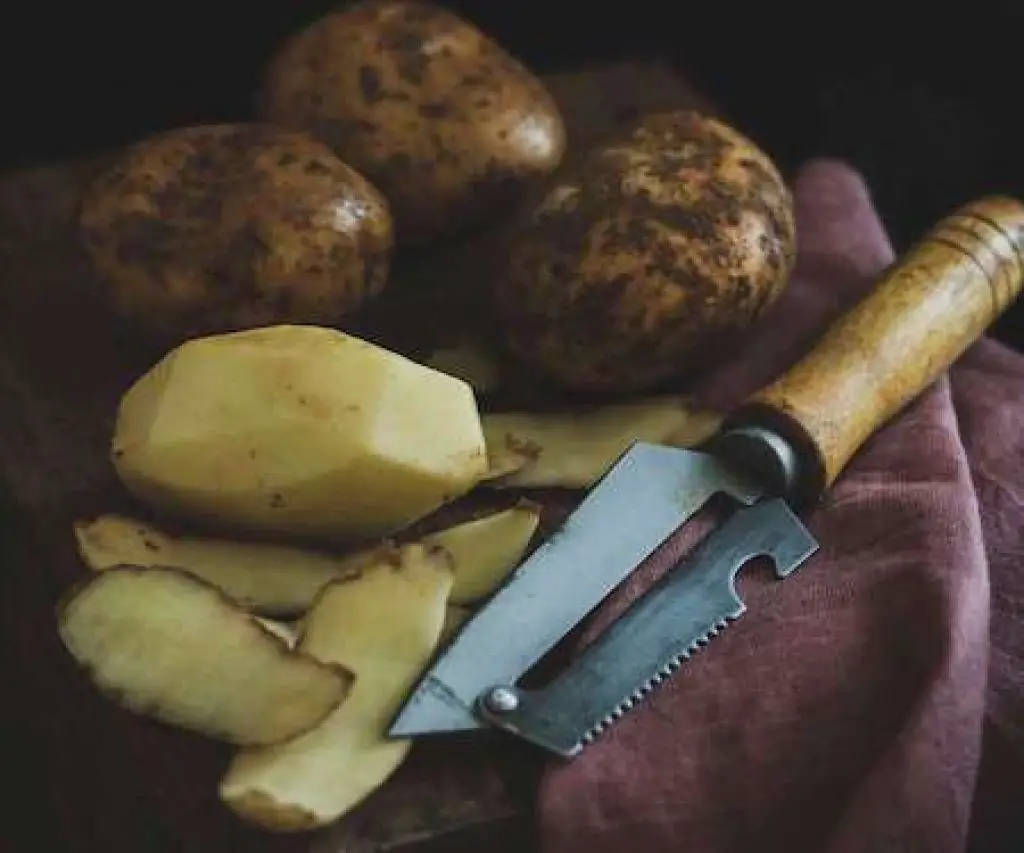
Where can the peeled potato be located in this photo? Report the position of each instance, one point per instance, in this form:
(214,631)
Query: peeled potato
(384,624)
(574,449)
(298,431)
(167,645)
(285,580)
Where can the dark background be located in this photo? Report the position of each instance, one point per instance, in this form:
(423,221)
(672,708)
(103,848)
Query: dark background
(926,102)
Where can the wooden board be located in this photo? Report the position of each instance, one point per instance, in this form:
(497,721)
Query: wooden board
(94,777)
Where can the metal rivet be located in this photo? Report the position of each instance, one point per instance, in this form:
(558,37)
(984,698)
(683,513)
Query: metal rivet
(502,700)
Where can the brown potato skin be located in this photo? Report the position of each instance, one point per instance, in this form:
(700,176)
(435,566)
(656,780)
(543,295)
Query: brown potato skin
(217,228)
(661,247)
(451,128)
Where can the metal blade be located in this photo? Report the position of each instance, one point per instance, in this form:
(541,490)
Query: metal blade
(649,492)
(690,604)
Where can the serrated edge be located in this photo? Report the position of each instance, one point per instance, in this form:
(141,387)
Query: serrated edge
(661,675)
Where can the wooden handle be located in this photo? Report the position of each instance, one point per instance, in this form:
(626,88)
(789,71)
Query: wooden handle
(920,317)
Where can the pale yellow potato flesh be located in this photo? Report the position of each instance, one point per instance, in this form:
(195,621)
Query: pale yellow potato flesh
(282,580)
(573,450)
(301,431)
(485,550)
(286,632)
(164,644)
(263,577)
(384,624)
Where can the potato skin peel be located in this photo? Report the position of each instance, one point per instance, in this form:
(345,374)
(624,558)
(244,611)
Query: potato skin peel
(312,780)
(573,450)
(128,696)
(269,579)
(263,577)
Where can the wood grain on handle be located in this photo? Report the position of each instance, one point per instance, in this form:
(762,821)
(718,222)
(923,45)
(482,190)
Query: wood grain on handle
(923,313)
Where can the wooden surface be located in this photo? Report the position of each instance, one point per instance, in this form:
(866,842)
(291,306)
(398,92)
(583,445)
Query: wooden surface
(89,776)
(919,318)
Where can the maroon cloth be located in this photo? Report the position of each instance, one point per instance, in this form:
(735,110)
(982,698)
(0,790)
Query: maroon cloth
(845,711)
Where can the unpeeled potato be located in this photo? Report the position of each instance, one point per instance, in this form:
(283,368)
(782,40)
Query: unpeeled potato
(651,256)
(450,127)
(223,227)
